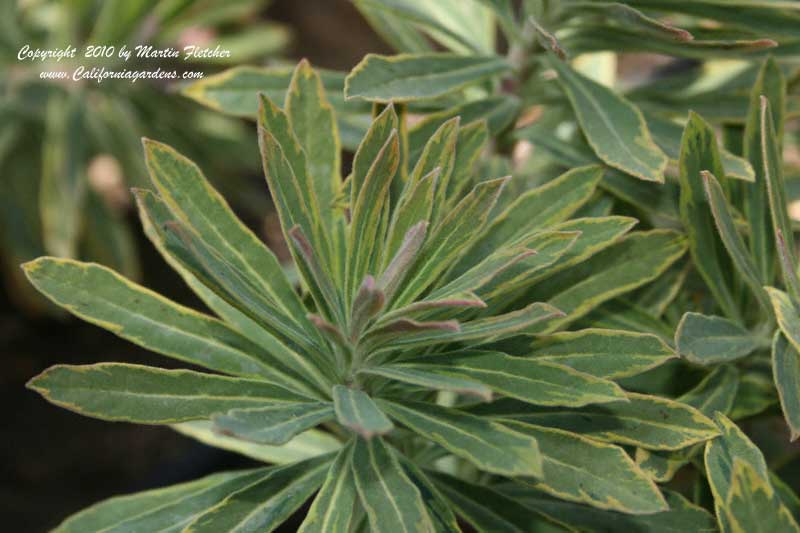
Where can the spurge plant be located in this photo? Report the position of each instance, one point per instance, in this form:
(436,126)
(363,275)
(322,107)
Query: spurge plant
(418,375)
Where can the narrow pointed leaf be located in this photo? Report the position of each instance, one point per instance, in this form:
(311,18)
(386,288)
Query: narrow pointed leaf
(456,231)
(431,380)
(488,445)
(332,510)
(596,234)
(769,83)
(733,242)
(367,209)
(404,257)
(286,171)
(148,395)
(357,411)
(681,517)
(439,153)
(391,500)
(699,152)
(265,504)
(370,146)
(721,453)
(529,380)
(488,510)
(708,340)
(415,205)
(786,372)
(454,303)
(413,77)
(630,263)
(614,127)
(159,509)
(781,223)
(549,248)
(483,329)
(648,421)
(716,392)
(311,443)
(604,353)
(190,197)
(313,121)
(273,424)
(582,470)
(538,208)
(235,287)
(98,295)
(440,511)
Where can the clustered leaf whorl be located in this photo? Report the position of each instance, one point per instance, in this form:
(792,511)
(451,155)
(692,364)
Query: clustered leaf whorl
(450,349)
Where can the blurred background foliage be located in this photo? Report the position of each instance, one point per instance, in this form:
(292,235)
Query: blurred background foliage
(69,152)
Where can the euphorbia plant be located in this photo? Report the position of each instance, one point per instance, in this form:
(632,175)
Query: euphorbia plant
(391,363)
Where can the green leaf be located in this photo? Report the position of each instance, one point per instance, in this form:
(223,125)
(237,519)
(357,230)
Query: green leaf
(667,134)
(786,371)
(391,500)
(370,147)
(489,511)
(529,380)
(431,380)
(716,392)
(477,331)
(263,505)
(488,445)
(306,445)
(721,453)
(235,287)
(781,223)
(789,324)
(582,470)
(272,424)
(537,208)
(439,509)
(148,395)
(709,340)
(408,77)
(541,251)
(155,217)
(497,112)
(648,421)
(314,123)
(699,152)
(162,509)
(439,153)
(413,208)
(753,506)
(596,234)
(332,510)
(681,517)
(103,297)
(369,203)
(357,411)
(726,226)
(630,263)
(193,201)
(614,127)
(234,92)
(453,234)
(770,83)
(604,353)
